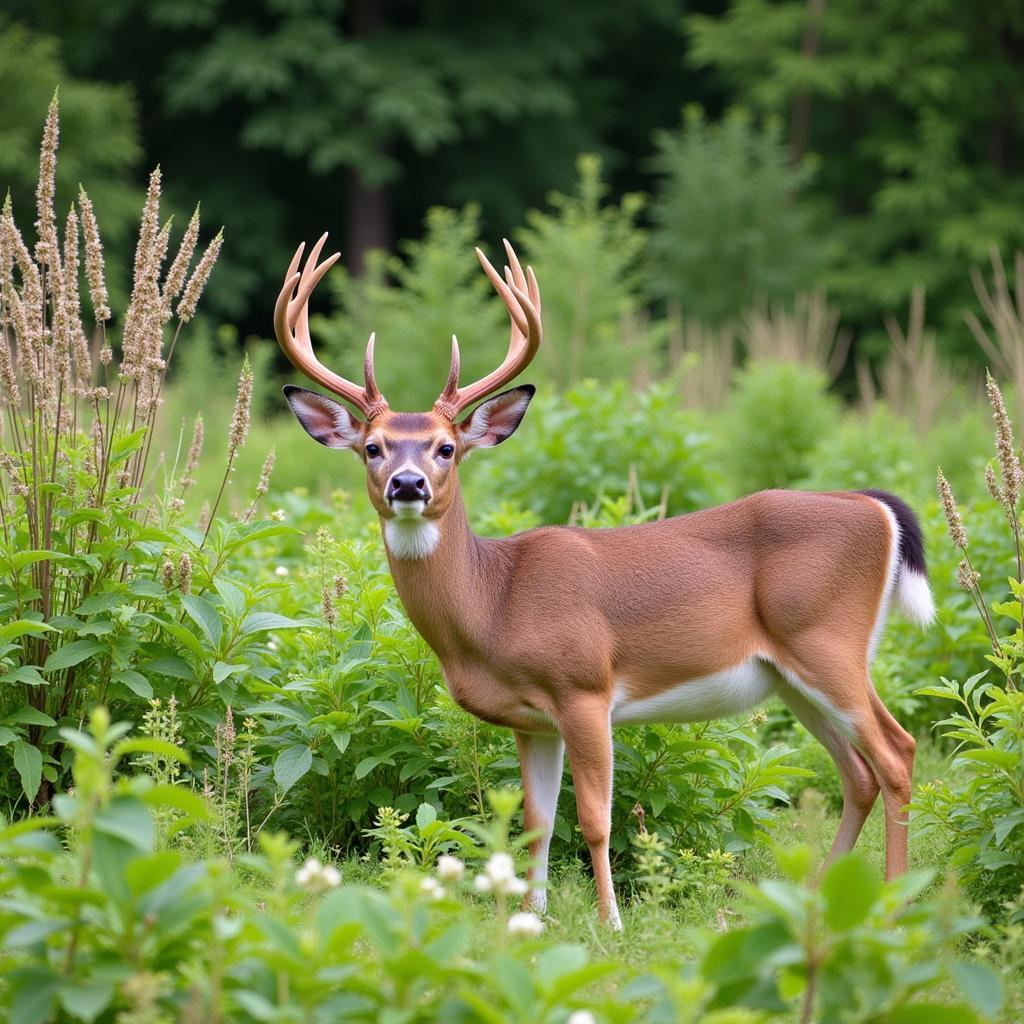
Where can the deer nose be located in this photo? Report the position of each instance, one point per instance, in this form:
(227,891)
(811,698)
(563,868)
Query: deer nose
(407,487)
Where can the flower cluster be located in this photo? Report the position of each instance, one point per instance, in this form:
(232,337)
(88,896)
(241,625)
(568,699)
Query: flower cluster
(499,876)
(316,877)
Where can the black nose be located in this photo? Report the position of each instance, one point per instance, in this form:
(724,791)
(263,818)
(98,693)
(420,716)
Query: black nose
(407,487)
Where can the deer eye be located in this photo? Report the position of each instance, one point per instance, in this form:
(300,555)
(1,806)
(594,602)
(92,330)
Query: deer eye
(373,451)
(446,451)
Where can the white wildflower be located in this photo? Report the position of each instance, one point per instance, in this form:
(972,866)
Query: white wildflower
(277,515)
(316,877)
(432,888)
(281,570)
(582,1017)
(517,887)
(271,645)
(450,868)
(526,924)
(482,883)
(500,868)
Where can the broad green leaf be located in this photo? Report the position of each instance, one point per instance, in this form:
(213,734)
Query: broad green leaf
(71,654)
(28,761)
(205,617)
(850,888)
(151,745)
(257,622)
(86,1000)
(982,986)
(135,681)
(291,764)
(28,674)
(179,798)
(127,818)
(426,815)
(24,627)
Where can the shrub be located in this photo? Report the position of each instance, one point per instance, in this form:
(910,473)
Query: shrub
(729,225)
(104,577)
(778,414)
(980,805)
(576,446)
(585,255)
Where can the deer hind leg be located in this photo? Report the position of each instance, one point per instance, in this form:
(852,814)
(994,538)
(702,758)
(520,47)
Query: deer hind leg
(889,749)
(540,758)
(586,726)
(860,788)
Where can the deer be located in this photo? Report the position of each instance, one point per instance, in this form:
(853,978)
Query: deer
(562,633)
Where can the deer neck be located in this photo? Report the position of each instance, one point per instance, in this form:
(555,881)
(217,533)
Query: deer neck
(445,576)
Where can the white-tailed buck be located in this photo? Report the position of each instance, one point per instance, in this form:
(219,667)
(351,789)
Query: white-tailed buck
(561,633)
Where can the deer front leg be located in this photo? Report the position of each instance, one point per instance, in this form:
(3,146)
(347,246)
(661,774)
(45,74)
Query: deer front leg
(540,758)
(586,727)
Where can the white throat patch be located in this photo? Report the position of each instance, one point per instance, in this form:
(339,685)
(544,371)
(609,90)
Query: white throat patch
(411,538)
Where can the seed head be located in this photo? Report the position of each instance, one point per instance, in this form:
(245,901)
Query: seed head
(47,250)
(993,487)
(94,261)
(243,409)
(9,389)
(175,279)
(968,577)
(168,575)
(955,524)
(11,469)
(340,585)
(327,607)
(268,467)
(197,282)
(184,573)
(194,451)
(1009,464)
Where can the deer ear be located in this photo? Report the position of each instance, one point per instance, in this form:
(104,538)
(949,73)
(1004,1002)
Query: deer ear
(323,419)
(495,420)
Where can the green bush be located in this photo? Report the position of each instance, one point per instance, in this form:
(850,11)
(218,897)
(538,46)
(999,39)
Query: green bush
(116,924)
(579,445)
(729,225)
(775,419)
(586,257)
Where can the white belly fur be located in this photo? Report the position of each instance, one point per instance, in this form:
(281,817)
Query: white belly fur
(726,693)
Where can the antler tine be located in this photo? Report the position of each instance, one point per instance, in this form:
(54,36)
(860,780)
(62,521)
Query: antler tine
(521,296)
(291,325)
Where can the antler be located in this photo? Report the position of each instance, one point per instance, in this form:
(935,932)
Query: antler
(291,324)
(521,295)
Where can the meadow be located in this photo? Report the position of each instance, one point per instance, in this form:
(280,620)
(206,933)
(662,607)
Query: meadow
(234,786)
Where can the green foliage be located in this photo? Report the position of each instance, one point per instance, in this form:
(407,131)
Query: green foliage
(586,253)
(853,949)
(979,805)
(576,446)
(918,155)
(774,420)
(99,138)
(729,223)
(117,924)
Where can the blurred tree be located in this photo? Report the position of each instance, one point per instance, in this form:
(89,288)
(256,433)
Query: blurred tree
(289,115)
(916,116)
(730,226)
(99,144)
(586,254)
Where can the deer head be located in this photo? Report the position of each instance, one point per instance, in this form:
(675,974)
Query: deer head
(411,459)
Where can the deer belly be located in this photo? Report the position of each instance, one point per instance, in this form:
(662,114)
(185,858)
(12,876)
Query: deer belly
(729,692)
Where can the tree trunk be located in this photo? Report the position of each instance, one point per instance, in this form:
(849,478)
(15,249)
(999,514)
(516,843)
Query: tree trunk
(369,206)
(800,119)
